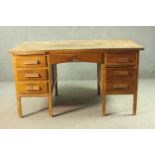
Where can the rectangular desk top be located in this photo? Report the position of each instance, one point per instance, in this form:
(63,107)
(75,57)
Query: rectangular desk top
(49,46)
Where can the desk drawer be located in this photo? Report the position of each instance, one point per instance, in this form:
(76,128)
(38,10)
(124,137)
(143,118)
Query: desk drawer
(76,57)
(121,58)
(30,61)
(31,74)
(120,87)
(123,74)
(32,87)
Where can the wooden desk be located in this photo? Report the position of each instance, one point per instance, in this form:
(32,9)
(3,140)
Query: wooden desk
(117,67)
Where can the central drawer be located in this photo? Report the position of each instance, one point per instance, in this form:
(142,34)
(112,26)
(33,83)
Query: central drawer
(32,87)
(95,57)
(31,74)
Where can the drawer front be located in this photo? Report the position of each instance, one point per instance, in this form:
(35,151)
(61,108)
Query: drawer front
(31,74)
(76,57)
(32,87)
(123,74)
(30,61)
(90,57)
(120,87)
(125,58)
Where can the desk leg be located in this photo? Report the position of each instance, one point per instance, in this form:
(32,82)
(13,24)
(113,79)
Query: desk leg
(135,97)
(134,103)
(136,89)
(50,109)
(103,88)
(50,83)
(98,78)
(19,106)
(56,80)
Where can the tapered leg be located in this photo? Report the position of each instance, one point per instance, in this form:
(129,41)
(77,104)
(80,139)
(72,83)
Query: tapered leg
(50,109)
(103,88)
(135,103)
(98,79)
(56,84)
(19,106)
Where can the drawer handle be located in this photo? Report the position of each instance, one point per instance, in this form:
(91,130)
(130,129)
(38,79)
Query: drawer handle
(33,88)
(31,62)
(32,75)
(122,60)
(120,73)
(75,60)
(120,86)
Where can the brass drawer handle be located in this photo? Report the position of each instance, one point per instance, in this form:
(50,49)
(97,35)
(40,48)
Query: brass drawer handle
(120,86)
(31,75)
(121,60)
(33,88)
(31,62)
(121,73)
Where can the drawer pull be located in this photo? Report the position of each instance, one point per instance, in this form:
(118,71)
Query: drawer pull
(120,86)
(31,62)
(120,73)
(75,60)
(33,88)
(32,75)
(121,60)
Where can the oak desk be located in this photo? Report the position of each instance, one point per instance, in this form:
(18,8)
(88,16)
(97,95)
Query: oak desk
(117,67)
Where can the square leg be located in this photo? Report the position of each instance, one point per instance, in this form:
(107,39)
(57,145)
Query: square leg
(56,80)
(98,79)
(50,108)
(135,103)
(103,88)
(19,106)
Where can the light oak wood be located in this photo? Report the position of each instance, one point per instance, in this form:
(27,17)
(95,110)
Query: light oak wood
(117,67)
(19,106)
(121,58)
(123,74)
(103,88)
(43,47)
(120,75)
(32,87)
(98,78)
(56,79)
(31,77)
(50,88)
(76,57)
(30,61)
(31,74)
(135,103)
(136,87)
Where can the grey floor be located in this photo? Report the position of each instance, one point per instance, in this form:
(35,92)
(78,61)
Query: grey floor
(78,106)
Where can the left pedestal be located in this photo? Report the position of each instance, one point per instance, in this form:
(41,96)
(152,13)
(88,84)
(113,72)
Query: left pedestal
(33,78)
